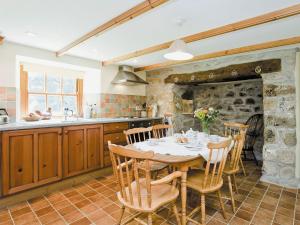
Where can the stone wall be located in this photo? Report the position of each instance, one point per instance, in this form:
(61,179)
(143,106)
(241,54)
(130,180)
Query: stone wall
(279,151)
(236,101)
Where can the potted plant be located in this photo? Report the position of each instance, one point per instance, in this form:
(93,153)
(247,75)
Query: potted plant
(206,116)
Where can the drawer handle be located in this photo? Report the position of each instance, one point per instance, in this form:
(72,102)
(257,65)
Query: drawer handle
(118,138)
(20,170)
(117,127)
(44,165)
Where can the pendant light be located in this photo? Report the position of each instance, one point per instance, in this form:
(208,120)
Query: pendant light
(178,51)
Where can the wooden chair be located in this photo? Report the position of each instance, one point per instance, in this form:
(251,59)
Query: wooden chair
(231,129)
(162,130)
(142,134)
(232,165)
(138,193)
(210,179)
(255,129)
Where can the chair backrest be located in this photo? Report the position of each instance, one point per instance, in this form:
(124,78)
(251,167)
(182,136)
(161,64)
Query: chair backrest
(232,128)
(215,163)
(129,172)
(162,130)
(236,150)
(256,124)
(137,134)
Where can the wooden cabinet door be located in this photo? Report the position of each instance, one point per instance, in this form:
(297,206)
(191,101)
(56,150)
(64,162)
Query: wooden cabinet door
(30,158)
(94,145)
(17,161)
(49,154)
(74,150)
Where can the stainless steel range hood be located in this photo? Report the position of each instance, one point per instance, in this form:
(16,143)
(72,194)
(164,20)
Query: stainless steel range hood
(126,76)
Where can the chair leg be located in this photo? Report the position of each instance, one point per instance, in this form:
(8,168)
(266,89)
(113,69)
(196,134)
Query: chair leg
(235,185)
(243,168)
(176,213)
(202,209)
(121,216)
(149,219)
(231,194)
(221,204)
(254,157)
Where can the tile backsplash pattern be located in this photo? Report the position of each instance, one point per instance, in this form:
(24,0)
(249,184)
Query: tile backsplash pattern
(8,101)
(114,105)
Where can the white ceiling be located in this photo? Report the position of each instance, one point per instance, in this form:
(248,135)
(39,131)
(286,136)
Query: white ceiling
(56,23)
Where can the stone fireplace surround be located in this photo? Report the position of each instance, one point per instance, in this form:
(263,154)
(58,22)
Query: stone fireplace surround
(279,102)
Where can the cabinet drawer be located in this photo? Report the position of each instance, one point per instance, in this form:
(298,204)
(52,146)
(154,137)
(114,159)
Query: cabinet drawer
(115,127)
(115,138)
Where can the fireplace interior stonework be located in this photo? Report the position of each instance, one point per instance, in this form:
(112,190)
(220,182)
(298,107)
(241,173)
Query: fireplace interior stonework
(274,96)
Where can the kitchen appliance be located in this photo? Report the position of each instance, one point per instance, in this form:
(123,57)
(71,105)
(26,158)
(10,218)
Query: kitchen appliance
(3,116)
(126,76)
(144,123)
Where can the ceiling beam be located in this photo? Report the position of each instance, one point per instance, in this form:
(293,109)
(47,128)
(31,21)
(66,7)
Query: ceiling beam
(258,20)
(136,11)
(1,40)
(234,51)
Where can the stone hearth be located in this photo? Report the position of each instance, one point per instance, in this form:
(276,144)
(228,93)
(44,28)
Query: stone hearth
(278,93)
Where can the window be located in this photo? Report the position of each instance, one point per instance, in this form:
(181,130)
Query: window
(39,91)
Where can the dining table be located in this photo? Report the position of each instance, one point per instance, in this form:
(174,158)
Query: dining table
(179,155)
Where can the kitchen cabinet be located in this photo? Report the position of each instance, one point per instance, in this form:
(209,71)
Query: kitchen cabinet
(82,149)
(34,157)
(113,132)
(30,158)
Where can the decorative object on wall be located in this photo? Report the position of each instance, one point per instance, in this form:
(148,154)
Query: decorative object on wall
(178,51)
(243,71)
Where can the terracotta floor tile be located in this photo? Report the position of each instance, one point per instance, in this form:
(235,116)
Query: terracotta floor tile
(50,217)
(285,212)
(20,212)
(18,206)
(67,210)
(82,203)
(25,219)
(4,217)
(111,208)
(82,221)
(261,220)
(238,221)
(97,215)
(73,216)
(44,211)
(57,222)
(88,209)
(244,215)
(106,220)
(61,204)
(283,220)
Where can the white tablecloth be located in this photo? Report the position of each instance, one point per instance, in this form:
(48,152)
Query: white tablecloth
(169,146)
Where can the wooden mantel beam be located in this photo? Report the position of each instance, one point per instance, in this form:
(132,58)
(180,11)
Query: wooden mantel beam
(258,20)
(130,14)
(1,40)
(234,51)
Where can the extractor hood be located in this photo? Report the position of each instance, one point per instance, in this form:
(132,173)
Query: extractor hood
(126,76)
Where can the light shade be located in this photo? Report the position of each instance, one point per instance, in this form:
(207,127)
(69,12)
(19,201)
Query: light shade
(178,51)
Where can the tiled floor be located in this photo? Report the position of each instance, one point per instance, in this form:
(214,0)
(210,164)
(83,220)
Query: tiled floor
(95,202)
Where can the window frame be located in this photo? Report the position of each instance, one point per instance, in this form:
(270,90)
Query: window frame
(25,93)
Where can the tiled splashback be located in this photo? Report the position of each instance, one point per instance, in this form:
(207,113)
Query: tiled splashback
(108,105)
(112,105)
(8,101)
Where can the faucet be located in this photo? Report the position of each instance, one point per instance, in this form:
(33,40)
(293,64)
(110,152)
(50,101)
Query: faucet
(66,113)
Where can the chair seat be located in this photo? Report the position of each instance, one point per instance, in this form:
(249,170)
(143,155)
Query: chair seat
(161,194)
(195,181)
(229,170)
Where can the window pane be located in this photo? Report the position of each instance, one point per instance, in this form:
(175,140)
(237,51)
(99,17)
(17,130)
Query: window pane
(37,102)
(36,82)
(69,85)
(55,102)
(70,102)
(53,84)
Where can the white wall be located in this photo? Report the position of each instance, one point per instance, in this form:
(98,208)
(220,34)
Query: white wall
(108,74)
(97,79)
